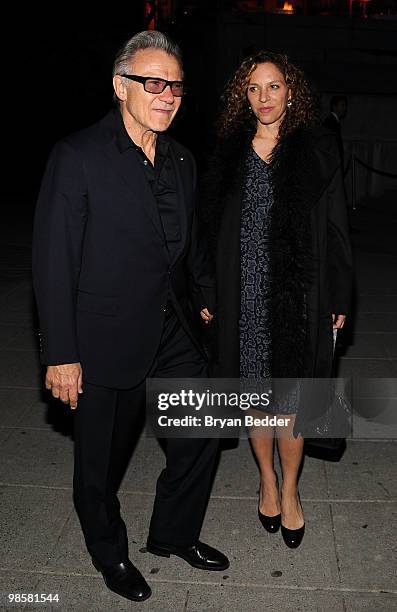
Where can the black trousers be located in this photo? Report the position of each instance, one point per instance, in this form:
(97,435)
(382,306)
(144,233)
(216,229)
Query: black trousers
(104,427)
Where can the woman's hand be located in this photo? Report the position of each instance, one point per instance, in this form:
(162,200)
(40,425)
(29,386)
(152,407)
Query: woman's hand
(206,316)
(338,321)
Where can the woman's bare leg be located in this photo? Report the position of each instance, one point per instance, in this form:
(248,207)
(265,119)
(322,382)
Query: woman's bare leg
(290,451)
(262,443)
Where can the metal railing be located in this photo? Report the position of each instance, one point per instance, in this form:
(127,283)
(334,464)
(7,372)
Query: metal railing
(353,161)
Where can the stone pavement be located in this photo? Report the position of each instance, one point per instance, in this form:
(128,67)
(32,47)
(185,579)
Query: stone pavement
(346,561)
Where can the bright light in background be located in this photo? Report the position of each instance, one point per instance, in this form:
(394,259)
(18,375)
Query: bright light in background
(151,9)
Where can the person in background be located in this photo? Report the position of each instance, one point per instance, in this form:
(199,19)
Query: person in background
(338,106)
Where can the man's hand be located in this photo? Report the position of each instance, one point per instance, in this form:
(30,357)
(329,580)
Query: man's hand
(206,316)
(65,382)
(338,321)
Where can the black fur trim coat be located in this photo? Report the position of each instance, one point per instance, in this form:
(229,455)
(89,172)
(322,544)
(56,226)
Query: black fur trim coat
(310,253)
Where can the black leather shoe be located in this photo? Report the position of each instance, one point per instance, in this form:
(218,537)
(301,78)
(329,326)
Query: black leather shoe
(270,523)
(200,555)
(293,537)
(125,580)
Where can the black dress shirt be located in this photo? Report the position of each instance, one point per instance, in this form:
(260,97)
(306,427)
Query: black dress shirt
(162,180)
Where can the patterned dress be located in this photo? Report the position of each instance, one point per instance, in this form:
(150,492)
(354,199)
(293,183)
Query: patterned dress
(255,340)
(255,281)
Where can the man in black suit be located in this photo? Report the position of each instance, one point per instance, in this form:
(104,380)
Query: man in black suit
(115,251)
(338,106)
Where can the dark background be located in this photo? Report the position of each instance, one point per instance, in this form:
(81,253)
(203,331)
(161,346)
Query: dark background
(57,68)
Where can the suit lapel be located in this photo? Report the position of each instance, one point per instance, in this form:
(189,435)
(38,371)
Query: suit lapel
(127,166)
(182,189)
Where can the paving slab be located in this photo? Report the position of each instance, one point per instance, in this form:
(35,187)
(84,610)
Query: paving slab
(20,369)
(238,475)
(89,594)
(366,471)
(8,283)
(390,342)
(37,457)
(366,544)
(18,308)
(7,333)
(31,521)
(13,282)
(5,433)
(14,403)
(70,554)
(374,387)
(254,554)
(371,602)
(13,582)
(48,413)
(18,337)
(223,598)
(375,418)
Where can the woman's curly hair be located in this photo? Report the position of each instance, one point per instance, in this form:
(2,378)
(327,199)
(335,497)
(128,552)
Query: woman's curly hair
(237,116)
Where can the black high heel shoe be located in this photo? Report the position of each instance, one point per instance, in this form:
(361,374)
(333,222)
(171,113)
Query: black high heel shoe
(293,537)
(270,523)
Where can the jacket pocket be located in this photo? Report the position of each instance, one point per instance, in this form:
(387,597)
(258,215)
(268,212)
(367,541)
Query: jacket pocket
(97,304)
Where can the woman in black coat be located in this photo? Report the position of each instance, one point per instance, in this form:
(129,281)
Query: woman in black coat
(276,217)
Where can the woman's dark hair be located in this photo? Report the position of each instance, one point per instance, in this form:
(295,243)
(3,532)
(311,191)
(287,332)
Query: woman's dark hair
(237,115)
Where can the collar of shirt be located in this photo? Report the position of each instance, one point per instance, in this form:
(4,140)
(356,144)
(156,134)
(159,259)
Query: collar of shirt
(125,142)
(335,115)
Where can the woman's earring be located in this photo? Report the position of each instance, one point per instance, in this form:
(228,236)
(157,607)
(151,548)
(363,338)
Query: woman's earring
(289,103)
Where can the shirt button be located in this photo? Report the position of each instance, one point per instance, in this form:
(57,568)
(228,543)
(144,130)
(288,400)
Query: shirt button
(145,162)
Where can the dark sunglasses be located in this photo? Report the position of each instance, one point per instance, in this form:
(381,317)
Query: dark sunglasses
(157,86)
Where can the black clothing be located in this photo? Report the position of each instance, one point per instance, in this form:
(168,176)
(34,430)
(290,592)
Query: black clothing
(110,417)
(162,180)
(114,296)
(310,264)
(102,271)
(332,123)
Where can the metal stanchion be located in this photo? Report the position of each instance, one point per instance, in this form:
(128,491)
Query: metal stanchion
(355,160)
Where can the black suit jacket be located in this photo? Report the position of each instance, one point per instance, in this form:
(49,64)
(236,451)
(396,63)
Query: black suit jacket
(101,270)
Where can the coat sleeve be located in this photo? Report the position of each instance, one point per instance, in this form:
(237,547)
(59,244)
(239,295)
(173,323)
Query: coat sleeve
(339,253)
(199,263)
(58,232)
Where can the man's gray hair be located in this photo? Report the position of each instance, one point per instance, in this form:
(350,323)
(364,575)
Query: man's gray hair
(150,39)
